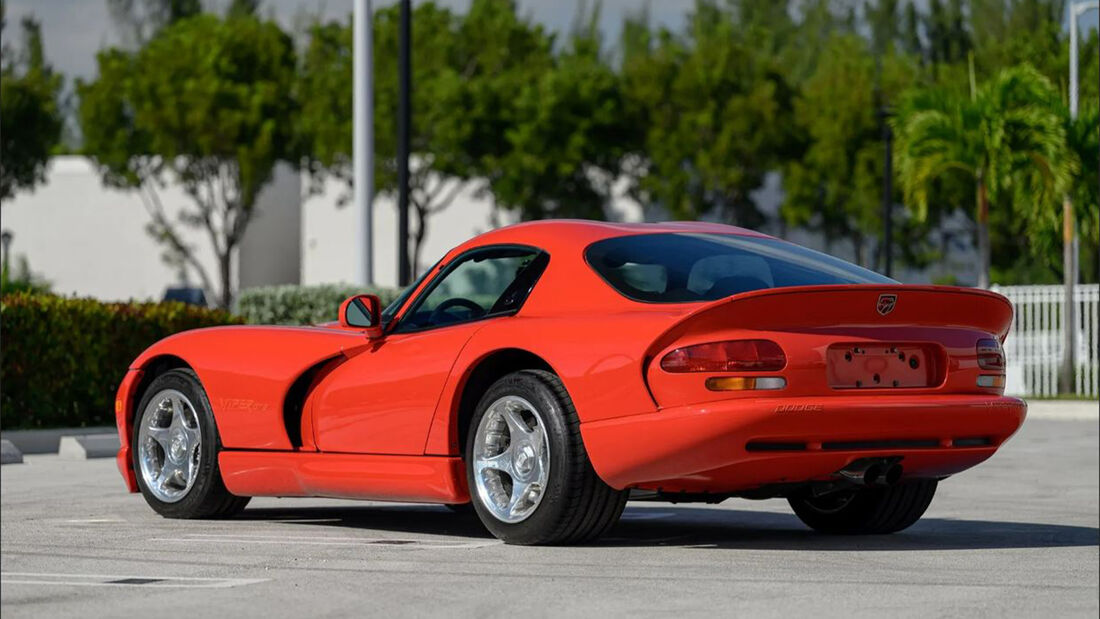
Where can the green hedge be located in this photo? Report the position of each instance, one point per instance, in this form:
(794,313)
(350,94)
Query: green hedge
(300,305)
(63,359)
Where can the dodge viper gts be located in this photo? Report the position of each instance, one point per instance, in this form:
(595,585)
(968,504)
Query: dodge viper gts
(545,372)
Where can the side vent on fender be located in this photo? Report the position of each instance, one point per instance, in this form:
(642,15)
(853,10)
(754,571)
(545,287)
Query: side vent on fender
(296,397)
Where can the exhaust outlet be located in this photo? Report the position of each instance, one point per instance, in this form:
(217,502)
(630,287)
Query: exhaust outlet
(861,472)
(892,475)
(872,472)
(872,475)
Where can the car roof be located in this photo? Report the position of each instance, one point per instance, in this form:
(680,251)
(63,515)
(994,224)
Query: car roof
(569,283)
(574,234)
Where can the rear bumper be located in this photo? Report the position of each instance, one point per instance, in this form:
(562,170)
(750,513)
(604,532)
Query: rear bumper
(743,444)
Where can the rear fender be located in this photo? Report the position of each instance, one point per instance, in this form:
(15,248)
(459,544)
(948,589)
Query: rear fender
(598,359)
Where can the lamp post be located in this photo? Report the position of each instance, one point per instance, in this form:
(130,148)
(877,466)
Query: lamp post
(404,114)
(1069,236)
(887,191)
(363,140)
(6,237)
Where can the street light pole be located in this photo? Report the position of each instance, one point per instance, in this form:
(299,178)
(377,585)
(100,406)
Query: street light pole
(363,140)
(6,238)
(1069,236)
(887,192)
(404,114)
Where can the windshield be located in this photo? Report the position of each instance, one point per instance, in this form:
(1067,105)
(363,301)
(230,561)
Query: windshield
(682,268)
(391,309)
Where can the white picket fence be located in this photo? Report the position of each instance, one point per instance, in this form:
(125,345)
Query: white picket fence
(1034,346)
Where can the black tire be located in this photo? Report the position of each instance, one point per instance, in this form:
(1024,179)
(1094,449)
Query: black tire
(866,510)
(207,496)
(577,506)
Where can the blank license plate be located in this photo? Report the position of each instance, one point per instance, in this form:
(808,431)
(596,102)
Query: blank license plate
(879,366)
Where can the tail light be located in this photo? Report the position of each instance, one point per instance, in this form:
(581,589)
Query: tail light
(730,356)
(990,355)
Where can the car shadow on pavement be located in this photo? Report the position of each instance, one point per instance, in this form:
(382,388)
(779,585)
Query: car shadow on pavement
(758,530)
(702,527)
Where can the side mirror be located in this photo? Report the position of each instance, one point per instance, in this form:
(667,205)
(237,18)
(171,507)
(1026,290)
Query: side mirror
(363,311)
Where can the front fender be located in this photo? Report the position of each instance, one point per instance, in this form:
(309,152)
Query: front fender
(246,372)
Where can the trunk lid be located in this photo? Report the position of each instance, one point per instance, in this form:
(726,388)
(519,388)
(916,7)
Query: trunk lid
(852,339)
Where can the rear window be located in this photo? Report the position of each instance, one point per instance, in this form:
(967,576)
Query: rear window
(680,268)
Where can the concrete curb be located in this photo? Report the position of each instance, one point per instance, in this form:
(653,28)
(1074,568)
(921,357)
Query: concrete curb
(48,441)
(9,453)
(88,446)
(1070,410)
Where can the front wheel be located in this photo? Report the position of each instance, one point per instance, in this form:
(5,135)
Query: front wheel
(866,510)
(528,472)
(175,447)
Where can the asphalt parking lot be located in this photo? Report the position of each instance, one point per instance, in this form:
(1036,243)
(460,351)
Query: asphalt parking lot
(1017,536)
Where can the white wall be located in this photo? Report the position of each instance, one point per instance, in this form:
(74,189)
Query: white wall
(89,240)
(328,235)
(271,249)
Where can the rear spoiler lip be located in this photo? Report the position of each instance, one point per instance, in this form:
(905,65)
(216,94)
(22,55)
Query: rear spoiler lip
(767,292)
(655,346)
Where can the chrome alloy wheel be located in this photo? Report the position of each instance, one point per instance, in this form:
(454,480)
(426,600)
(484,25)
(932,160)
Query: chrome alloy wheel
(511,459)
(169,445)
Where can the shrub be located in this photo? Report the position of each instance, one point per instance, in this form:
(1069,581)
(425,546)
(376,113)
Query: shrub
(301,305)
(64,358)
(21,279)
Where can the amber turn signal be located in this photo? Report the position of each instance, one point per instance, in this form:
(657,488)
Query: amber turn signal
(988,380)
(741,383)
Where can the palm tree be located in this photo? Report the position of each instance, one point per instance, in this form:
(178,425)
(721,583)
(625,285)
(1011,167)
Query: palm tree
(1083,140)
(1006,138)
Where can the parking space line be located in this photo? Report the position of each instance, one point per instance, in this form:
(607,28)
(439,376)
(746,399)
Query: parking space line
(115,580)
(376,542)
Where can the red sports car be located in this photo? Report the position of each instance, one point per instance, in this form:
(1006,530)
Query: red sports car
(544,372)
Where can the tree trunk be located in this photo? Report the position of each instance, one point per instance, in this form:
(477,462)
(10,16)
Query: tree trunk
(225,273)
(1068,378)
(983,235)
(418,238)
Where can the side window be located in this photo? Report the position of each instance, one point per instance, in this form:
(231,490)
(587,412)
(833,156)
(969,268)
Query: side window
(489,282)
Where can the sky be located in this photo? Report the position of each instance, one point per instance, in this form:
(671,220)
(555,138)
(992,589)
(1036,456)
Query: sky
(74,30)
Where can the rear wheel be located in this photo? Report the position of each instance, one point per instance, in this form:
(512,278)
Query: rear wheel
(866,510)
(175,447)
(528,472)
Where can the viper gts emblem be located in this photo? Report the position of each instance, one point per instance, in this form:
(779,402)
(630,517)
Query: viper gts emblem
(886,303)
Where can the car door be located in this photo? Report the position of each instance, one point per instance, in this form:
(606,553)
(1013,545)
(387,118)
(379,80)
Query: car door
(381,401)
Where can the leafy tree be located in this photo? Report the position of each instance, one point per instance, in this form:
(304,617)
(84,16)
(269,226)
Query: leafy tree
(207,103)
(570,133)
(1004,138)
(137,21)
(714,105)
(1083,140)
(837,184)
(29,112)
(1042,226)
(911,41)
(466,75)
(326,83)
(882,17)
(325,118)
